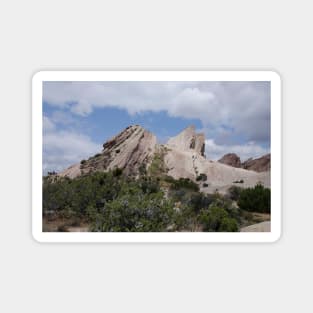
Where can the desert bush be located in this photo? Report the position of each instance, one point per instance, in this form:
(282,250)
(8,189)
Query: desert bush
(117,172)
(135,213)
(217,219)
(241,181)
(185,183)
(256,199)
(202,177)
(142,169)
(199,201)
(234,192)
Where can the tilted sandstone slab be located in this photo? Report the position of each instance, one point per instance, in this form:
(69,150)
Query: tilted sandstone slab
(128,150)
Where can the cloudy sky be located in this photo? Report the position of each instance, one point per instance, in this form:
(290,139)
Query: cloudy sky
(78,117)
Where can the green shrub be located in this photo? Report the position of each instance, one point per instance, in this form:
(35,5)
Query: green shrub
(199,201)
(228,225)
(83,162)
(234,192)
(257,199)
(112,201)
(149,186)
(205,185)
(241,181)
(202,177)
(142,169)
(157,166)
(117,172)
(217,219)
(135,213)
(185,183)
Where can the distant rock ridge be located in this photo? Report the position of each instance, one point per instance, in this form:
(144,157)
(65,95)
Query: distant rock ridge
(231,159)
(261,164)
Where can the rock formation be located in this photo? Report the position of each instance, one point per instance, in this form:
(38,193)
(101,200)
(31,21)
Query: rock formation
(182,157)
(188,139)
(231,159)
(262,164)
(127,150)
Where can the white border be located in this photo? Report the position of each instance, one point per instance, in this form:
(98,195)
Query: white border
(271,76)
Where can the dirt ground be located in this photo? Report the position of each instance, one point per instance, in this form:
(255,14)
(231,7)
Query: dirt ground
(63,225)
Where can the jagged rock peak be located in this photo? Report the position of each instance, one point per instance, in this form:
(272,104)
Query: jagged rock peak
(188,139)
(128,150)
(128,133)
(231,159)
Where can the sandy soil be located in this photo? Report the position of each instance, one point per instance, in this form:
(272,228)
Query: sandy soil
(260,227)
(63,225)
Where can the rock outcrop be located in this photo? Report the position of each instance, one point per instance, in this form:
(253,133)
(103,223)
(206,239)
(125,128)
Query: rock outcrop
(260,227)
(262,164)
(231,159)
(128,150)
(187,140)
(182,157)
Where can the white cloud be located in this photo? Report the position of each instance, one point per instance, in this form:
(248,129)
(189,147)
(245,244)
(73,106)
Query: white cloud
(242,106)
(230,112)
(250,150)
(47,124)
(82,107)
(64,148)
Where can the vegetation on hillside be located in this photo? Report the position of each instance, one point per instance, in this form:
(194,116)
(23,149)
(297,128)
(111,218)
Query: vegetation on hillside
(114,202)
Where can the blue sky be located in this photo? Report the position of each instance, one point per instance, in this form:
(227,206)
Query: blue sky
(78,117)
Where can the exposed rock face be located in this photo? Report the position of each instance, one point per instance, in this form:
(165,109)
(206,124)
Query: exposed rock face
(188,139)
(261,164)
(183,157)
(220,177)
(231,159)
(128,150)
